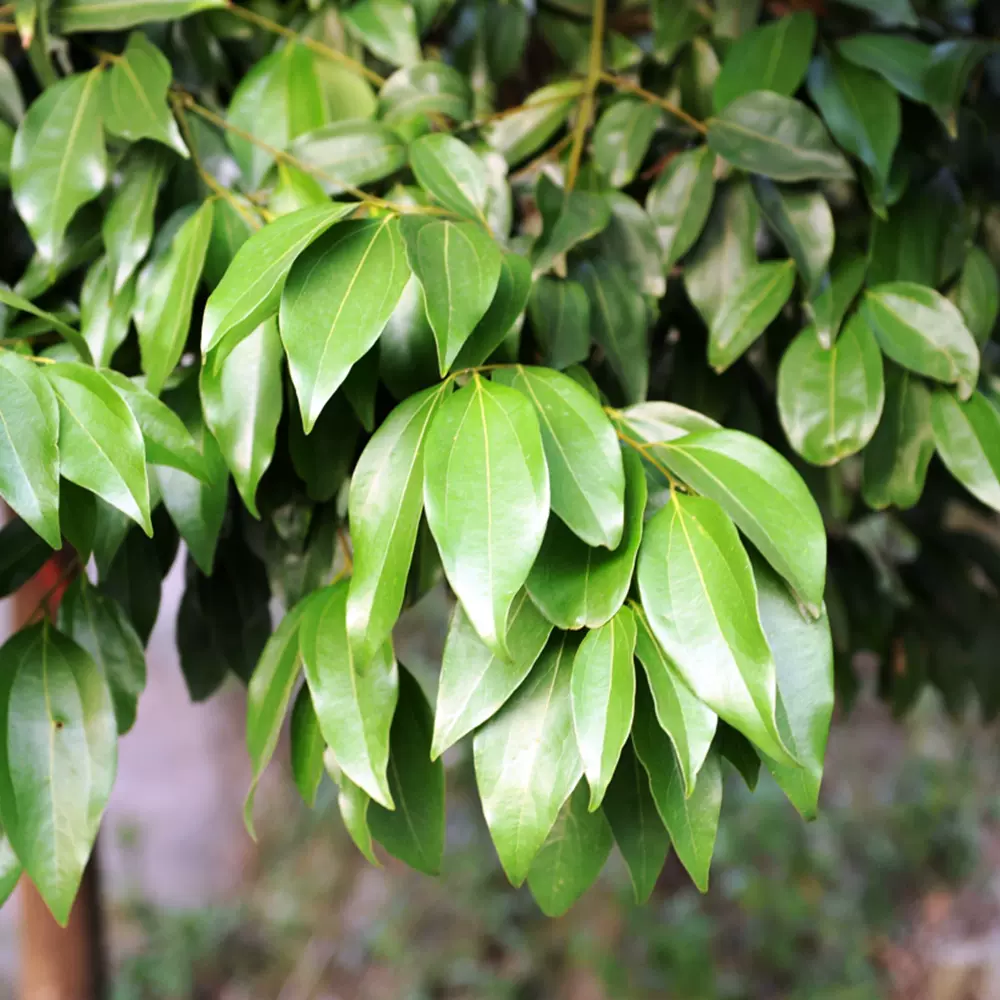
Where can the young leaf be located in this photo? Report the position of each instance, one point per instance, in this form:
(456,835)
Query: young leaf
(165,297)
(921,330)
(386,27)
(386,501)
(679,201)
(458,267)
(336,301)
(426,88)
(967,436)
(414,831)
(559,311)
(622,137)
(586,477)
(105,315)
(691,548)
(29,453)
(307,747)
(58,161)
(242,400)
(100,443)
(350,153)
(354,702)
(977,294)
(603,696)
(486,494)
(572,856)
(577,586)
(526,759)
(830,401)
(57,760)
(451,172)
(767,133)
(474,681)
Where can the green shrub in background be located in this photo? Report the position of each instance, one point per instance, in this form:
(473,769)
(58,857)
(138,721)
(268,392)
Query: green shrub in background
(639,325)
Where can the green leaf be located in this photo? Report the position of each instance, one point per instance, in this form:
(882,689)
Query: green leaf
(58,162)
(901,61)
(407,351)
(386,501)
(675,23)
(29,454)
(890,12)
(692,820)
(336,301)
(323,459)
(165,297)
(134,99)
(519,135)
(278,100)
(830,401)
(621,139)
(451,172)
(307,747)
(230,230)
(72,16)
(57,760)
(774,56)
(803,655)
(458,267)
(802,220)
(242,402)
(354,803)
(77,520)
(486,495)
(577,586)
(921,330)
(638,830)
(22,555)
(679,201)
(388,28)
(474,681)
(688,722)
(354,702)
(739,751)
(861,110)
(350,154)
(250,291)
(617,323)
(526,760)
(977,294)
(98,624)
(74,337)
(831,303)
(947,76)
(897,458)
(560,319)
(100,443)
(426,88)
(967,436)
(630,238)
(569,217)
(691,547)
(725,252)
(127,228)
(767,133)
(656,422)
(270,693)
(104,315)
(572,857)
(748,310)
(603,696)
(587,481)
(414,831)
(293,190)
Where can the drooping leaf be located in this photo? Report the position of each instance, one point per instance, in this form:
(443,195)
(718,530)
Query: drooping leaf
(622,137)
(519,135)
(22,555)
(72,16)
(679,201)
(451,172)
(901,61)
(407,350)
(560,319)
(386,27)
(104,314)
(307,747)
(350,153)
(48,320)
(569,218)
(967,436)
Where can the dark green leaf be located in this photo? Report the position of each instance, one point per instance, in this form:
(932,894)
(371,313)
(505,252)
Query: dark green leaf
(307,747)
(977,294)
(22,555)
(951,64)
(519,135)
(622,137)
(569,217)
(675,23)
(902,61)
(560,318)
(322,459)
(835,296)
(16,301)
(679,201)
(967,436)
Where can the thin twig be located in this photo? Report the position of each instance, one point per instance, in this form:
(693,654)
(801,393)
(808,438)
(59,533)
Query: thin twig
(586,110)
(623,83)
(643,450)
(552,153)
(496,116)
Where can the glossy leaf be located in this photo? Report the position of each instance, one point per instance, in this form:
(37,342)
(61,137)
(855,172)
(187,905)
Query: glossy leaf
(307,747)
(675,23)
(977,294)
(679,201)
(386,27)
(899,60)
(451,172)
(113,15)
(835,296)
(425,88)
(519,135)
(622,137)
(104,315)
(569,218)
(560,319)
(350,154)
(967,436)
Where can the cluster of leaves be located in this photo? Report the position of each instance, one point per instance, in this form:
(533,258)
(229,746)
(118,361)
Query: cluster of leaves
(486,361)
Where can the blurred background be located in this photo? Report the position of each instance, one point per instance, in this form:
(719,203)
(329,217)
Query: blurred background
(894,892)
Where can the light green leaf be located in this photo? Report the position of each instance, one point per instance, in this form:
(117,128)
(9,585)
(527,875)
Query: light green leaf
(835,296)
(897,458)
(354,803)
(351,154)
(58,161)
(29,453)
(486,495)
(242,402)
(621,139)
(519,135)
(307,747)
(458,267)
(474,681)
(575,585)
(526,759)
(977,294)
(74,337)
(250,291)
(354,702)
(767,133)
(293,190)
(57,760)
(339,294)
(773,56)
(165,297)
(920,329)
(569,217)
(560,319)
(630,238)
(901,61)
(656,422)
(572,857)
(690,547)
(386,501)
(967,436)
(414,831)
(603,695)
(451,172)
(388,28)
(71,16)
(104,315)
(426,88)
(679,201)
(830,401)
(748,309)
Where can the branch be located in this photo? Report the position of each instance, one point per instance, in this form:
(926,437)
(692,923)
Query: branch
(622,83)
(586,111)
